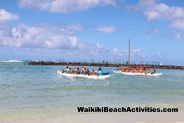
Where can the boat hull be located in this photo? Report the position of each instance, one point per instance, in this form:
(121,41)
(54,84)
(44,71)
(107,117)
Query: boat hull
(83,76)
(138,74)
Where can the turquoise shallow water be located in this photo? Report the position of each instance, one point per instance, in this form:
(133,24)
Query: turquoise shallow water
(39,89)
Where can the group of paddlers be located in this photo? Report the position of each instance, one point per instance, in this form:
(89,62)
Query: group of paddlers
(83,70)
(145,70)
(86,71)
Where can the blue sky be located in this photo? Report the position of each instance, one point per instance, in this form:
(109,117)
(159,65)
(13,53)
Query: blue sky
(76,30)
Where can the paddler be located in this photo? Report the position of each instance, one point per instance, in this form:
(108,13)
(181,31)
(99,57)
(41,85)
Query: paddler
(99,73)
(147,70)
(140,70)
(85,71)
(134,70)
(78,71)
(127,69)
(82,70)
(92,72)
(123,70)
(154,71)
(66,70)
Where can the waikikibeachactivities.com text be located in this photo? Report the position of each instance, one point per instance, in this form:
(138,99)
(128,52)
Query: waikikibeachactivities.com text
(125,109)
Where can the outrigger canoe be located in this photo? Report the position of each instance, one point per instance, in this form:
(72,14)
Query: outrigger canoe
(83,76)
(138,74)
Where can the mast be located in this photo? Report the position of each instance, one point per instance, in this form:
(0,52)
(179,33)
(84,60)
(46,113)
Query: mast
(129,52)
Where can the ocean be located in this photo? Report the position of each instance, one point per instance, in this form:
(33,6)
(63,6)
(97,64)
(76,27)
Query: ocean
(37,94)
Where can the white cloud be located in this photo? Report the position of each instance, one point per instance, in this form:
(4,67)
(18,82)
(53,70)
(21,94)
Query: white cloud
(179,36)
(64,6)
(134,51)
(63,43)
(151,15)
(160,11)
(74,27)
(153,31)
(6,16)
(24,36)
(178,24)
(106,29)
(116,51)
(51,38)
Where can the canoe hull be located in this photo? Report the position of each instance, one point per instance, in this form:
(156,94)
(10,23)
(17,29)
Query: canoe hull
(138,74)
(83,76)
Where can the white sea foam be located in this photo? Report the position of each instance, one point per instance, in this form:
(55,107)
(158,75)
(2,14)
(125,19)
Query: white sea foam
(11,61)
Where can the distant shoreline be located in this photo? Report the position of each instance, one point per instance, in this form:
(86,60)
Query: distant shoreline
(103,64)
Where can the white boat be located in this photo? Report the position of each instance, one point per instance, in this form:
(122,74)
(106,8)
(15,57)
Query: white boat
(131,73)
(83,76)
(138,74)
